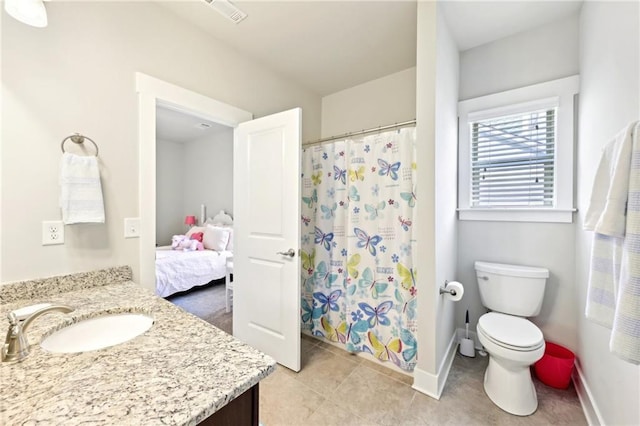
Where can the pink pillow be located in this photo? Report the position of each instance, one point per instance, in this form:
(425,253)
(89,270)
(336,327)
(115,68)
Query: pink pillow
(197,236)
(195,229)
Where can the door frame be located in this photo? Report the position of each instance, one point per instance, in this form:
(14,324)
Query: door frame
(151,92)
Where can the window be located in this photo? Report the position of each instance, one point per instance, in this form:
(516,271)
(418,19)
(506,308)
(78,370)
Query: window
(516,154)
(512,159)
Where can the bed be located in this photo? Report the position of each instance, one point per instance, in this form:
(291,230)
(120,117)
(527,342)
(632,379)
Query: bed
(178,270)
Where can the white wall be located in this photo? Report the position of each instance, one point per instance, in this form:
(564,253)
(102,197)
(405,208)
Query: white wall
(190,174)
(425,373)
(169,197)
(542,54)
(387,100)
(446,163)
(542,244)
(551,53)
(609,99)
(78,75)
(209,174)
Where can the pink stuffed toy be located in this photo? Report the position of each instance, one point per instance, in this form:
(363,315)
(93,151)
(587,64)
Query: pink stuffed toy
(182,242)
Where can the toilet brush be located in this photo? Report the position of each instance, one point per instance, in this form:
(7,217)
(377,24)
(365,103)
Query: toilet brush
(466,344)
(466,324)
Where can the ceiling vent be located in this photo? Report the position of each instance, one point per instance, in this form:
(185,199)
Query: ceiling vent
(203,126)
(228,10)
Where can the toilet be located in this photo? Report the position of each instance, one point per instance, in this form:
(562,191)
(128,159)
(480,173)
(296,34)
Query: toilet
(512,293)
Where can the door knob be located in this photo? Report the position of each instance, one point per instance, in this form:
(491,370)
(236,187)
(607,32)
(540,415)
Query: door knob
(291,253)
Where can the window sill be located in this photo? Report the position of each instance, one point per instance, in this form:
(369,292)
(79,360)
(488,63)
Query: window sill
(517,215)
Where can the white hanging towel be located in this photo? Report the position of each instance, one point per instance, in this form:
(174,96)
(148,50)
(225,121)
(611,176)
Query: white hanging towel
(80,190)
(606,217)
(625,337)
(613,294)
(607,209)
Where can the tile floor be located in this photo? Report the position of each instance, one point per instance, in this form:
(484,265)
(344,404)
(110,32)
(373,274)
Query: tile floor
(336,388)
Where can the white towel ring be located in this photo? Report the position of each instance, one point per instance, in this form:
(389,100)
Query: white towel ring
(78,138)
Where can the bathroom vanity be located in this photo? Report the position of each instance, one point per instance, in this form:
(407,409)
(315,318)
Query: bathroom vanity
(181,371)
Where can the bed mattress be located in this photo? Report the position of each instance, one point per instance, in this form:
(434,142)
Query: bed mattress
(178,270)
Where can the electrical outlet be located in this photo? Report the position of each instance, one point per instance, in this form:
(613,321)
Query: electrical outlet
(52,232)
(132,227)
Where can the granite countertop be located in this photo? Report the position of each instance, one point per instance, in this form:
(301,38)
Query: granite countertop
(179,372)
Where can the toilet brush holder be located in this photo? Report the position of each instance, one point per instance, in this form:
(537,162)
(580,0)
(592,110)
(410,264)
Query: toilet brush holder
(467,348)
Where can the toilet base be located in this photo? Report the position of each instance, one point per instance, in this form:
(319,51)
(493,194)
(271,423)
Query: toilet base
(510,387)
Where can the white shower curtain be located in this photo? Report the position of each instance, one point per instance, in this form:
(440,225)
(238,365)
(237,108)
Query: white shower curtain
(359,278)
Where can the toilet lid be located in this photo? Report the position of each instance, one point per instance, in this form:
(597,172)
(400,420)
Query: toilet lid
(510,331)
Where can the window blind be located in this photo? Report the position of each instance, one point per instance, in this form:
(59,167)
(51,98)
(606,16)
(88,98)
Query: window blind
(513,159)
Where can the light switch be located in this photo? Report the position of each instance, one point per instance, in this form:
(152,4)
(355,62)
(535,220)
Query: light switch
(132,227)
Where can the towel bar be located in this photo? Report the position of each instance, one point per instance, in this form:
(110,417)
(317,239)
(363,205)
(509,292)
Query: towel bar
(78,138)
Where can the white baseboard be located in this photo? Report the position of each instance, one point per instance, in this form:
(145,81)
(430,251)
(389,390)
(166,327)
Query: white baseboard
(433,384)
(591,411)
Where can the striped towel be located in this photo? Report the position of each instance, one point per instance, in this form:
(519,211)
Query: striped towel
(613,295)
(604,275)
(80,190)
(625,338)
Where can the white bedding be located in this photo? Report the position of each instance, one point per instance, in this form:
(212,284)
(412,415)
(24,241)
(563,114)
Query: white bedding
(178,270)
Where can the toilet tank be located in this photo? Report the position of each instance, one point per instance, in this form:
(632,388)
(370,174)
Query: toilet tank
(511,289)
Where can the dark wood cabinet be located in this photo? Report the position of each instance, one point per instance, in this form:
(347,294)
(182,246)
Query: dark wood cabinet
(242,411)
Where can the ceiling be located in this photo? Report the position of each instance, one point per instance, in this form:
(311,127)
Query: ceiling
(179,127)
(474,23)
(328,46)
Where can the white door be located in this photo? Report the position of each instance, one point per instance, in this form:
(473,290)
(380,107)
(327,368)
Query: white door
(266,177)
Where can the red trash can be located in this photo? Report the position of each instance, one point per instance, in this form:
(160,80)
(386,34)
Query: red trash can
(555,367)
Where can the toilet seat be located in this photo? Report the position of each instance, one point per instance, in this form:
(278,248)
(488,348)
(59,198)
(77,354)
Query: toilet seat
(511,332)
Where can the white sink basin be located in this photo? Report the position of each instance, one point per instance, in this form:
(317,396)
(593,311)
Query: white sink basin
(97,333)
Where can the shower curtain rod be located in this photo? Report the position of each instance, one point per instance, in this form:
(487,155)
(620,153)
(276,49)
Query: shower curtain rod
(361,132)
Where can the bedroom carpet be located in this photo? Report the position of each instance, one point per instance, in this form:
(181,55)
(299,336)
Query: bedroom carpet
(207,303)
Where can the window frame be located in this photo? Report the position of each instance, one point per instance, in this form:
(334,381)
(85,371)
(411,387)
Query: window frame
(559,92)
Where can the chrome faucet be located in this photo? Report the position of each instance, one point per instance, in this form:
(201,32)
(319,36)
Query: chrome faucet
(16,346)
